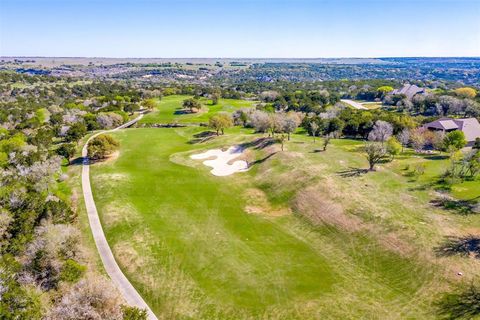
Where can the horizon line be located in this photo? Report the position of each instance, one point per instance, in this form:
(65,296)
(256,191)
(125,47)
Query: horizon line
(238,58)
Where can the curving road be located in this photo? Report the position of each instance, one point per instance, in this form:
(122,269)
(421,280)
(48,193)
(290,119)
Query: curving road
(132,297)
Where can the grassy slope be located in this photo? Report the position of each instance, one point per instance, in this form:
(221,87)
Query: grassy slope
(184,239)
(167,107)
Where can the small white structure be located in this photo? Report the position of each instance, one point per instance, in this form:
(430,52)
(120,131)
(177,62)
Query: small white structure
(220,163)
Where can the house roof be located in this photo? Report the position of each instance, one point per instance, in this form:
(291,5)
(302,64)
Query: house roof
(409,90)
(469,126)
(443,124)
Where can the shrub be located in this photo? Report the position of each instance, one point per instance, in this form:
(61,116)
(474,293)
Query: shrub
(66,150)
(133,313)
(454,140)
(102,146)
(75,132)
(90,298)
(72,271)
(393,147)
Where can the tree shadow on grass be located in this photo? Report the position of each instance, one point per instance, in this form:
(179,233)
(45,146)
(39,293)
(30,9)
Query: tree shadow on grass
(260,161)
(436,157)
(461,305)
(182,111)
(76,162)
(258,144)
(203,136)
(459,246)
(352,172)
(461,207)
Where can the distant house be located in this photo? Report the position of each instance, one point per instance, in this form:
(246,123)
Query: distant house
(469,126)
(409,90)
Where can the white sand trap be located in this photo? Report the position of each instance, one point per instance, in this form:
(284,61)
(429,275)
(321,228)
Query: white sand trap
(220,163)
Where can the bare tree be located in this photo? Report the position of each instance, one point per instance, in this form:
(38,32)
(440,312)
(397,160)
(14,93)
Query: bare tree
(381,131)
(260,121)
(290,123)
(404,138)
(90,298)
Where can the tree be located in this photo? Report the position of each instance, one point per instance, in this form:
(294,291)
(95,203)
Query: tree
(149,104)
(394,147)
(335,125)
(66,150)
(381,131)
(109,120)
(326,141)
(102,146)
(313,128)
(215,96)
(404,137)
(455,139)
(193,105)
(290,123)
(383,90)
(417,137)
(43,138)
(375,153)
(220,122)
(466,92)
(260,121)
(282,139)
(76,132)
(131,108)
(275,123)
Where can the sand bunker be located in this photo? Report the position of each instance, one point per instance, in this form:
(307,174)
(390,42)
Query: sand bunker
(220,163)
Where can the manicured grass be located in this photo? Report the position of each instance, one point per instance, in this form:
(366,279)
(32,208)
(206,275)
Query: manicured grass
(186,241)
(169,109)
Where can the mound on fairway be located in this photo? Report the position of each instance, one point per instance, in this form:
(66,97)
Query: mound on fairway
(193,250)
(221,163)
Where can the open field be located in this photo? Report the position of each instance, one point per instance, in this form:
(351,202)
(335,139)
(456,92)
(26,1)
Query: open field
(169,109)
(300,232)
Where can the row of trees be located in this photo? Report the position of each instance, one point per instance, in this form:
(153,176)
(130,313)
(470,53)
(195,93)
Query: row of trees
(44,271)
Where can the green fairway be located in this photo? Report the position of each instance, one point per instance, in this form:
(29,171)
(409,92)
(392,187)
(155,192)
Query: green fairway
(169,109)
(187,242)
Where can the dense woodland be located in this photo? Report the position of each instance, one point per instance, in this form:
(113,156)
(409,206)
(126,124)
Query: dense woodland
(43,119)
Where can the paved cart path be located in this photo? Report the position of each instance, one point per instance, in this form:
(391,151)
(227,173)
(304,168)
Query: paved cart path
(132,297)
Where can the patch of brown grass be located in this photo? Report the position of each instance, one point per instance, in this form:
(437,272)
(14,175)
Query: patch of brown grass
(319,209)
(259,204)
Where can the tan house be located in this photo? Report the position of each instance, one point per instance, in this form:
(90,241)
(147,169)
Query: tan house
(469,126)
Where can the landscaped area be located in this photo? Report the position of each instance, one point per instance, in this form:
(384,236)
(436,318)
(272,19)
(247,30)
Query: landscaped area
(300,232)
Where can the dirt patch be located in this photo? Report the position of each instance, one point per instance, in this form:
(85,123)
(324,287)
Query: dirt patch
(110,158)
(259,204)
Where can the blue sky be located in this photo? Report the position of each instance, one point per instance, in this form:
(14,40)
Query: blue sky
(239,28)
